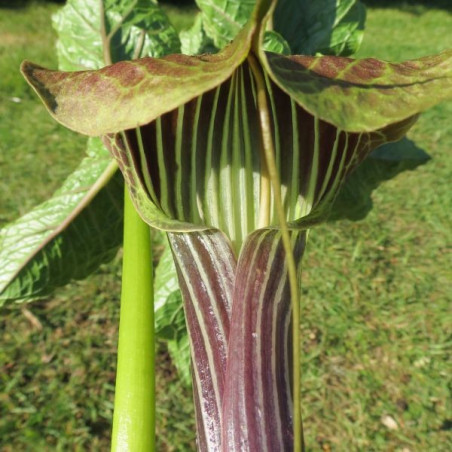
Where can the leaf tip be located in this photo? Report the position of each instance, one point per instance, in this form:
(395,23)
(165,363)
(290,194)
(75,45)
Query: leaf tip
(36,76)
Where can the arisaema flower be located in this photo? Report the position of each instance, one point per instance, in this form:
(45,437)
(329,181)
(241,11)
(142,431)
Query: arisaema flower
(225,152)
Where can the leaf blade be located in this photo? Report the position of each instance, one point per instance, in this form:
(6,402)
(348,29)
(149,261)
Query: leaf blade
(136,91)
(55,244)
(362,95)
(321,26)
(222,21)
(84,26)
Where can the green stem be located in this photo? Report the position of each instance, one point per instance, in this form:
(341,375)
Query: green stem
(134,412)
(269,153)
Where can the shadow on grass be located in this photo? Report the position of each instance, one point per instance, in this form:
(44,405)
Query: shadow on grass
(354,200)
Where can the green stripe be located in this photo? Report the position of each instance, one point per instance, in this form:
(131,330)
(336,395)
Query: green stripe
(338,176)
(293,204)
(248,151)
(164,202)
(145,169)
(179,164)
(210,201)
(277,145)
(240,198)
(194,210)
(314,172)
(256,180)
(226,220)
(329,170)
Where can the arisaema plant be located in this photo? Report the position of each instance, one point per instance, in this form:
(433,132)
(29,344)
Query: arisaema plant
(235,155)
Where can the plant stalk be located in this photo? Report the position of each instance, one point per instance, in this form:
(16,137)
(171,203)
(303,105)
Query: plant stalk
(269,153)
(134,410)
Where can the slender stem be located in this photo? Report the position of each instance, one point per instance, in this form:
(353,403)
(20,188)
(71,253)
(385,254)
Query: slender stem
(106,40)
(269,151)
(134,412)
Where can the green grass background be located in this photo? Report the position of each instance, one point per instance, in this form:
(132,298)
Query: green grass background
(376,317)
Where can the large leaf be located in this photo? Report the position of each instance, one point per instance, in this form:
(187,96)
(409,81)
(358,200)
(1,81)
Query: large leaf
(67,236)
(132,93)
(92,33)
(347,35)
(354,95)
(274,42)
(323,26)
(362,95)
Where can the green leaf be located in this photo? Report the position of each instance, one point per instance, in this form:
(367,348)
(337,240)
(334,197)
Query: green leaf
(346,37)
(179,351)
(70,235)
(66,237)
(132,93)
(324,26)
(274,42)
(321,26)
(195,40)
(362,95)
(169,317)
(167,299)
(223,19)
(169,314)
(354,199)
(170,320)
(93,33)
(79,45)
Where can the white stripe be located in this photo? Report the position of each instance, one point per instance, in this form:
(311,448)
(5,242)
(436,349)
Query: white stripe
(205,336)
(199,264)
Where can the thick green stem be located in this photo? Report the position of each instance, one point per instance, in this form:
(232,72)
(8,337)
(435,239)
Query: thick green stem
(134,412)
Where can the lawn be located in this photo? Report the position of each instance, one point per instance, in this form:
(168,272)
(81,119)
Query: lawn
(376,293)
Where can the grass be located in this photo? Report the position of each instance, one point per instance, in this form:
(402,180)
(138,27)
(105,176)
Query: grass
(376,293)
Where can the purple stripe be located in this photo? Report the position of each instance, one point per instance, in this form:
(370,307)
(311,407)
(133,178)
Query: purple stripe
(251,420)
(212,251)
